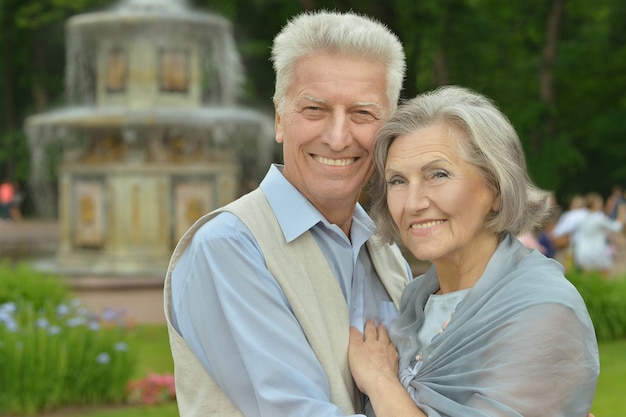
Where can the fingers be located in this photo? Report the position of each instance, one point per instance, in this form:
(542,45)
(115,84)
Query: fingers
(374,332)
(383,334)
(370,332)
(355,335)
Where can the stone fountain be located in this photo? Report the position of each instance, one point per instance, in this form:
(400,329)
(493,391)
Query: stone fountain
(152,137)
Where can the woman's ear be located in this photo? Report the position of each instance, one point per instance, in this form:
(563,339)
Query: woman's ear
(496,206)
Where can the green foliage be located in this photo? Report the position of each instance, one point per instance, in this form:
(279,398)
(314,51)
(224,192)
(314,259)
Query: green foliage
(15,154)
(495,48)
(21,284)
(605,299)
(33,15)
(53,351)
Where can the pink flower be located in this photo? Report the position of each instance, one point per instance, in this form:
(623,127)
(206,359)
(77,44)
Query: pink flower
(153,389)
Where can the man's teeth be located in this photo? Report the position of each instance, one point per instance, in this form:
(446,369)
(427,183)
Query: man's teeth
(426,225)
(334,162)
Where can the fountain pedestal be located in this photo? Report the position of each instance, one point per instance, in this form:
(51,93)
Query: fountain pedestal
(126,219)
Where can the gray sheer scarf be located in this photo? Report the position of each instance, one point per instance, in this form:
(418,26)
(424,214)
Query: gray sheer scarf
(521,343)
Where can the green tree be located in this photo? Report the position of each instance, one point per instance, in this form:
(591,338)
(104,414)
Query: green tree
(32,60)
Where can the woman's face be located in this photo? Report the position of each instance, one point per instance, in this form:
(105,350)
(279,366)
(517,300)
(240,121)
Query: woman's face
(439,201)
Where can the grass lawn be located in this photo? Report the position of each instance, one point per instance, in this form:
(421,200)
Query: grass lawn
(610,400)
(154,356)
(154,351)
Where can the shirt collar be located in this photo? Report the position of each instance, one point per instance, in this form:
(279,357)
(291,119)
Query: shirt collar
(296,215)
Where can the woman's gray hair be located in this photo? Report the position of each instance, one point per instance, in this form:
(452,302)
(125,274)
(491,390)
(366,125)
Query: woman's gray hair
(333,32)
(488,141)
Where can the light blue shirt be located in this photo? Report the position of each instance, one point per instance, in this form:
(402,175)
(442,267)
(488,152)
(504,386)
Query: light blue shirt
(236,319)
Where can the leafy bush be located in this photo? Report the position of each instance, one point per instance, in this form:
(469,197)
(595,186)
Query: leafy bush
(21,283)
(605,299)
(53,351)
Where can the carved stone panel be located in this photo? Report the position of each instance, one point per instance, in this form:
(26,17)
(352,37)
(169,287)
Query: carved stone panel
(116,71)
(89,218)
(174,70)
(191,200)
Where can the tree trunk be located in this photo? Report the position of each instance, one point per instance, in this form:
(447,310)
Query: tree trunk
(546,75)
(442,74)
(38,89)
(8,96)
(307,4)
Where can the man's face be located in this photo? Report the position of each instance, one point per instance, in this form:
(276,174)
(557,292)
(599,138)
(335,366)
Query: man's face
(334,108)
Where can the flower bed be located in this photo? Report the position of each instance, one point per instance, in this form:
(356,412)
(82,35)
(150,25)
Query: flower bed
(53,351)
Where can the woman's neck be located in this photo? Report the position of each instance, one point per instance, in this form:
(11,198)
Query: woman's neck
(464,269)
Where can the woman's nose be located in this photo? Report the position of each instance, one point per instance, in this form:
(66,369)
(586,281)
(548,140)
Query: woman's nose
(417,199)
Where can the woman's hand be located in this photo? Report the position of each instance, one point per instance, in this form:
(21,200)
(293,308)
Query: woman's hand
(373,358)
(374,365)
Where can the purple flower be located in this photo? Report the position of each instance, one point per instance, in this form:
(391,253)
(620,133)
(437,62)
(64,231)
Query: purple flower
(63,310)
(103,358)
(42,322)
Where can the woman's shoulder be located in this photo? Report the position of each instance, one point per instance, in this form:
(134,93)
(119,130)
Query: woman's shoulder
(542,279)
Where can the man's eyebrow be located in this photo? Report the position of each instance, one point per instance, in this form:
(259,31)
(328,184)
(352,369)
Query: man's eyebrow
(313,99)
(368,104)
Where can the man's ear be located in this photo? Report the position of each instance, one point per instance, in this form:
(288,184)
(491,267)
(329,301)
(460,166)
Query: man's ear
(278,125)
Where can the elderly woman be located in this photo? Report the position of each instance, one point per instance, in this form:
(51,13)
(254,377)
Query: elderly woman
(493,328)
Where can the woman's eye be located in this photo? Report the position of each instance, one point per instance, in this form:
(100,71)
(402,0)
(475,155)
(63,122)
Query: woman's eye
(394,181)
(440,174)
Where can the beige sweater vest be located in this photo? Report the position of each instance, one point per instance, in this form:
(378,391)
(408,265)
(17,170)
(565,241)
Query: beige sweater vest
(313,293)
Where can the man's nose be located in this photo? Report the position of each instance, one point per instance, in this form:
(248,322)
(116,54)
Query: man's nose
(338,135)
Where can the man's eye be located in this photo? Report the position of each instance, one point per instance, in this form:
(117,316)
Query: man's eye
(312,111)
(364,116)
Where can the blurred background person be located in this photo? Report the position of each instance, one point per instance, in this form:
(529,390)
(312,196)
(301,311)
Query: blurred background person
(545,235)
(563,234)
(531,241)
(614,201)
(593,251)
(7,200)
